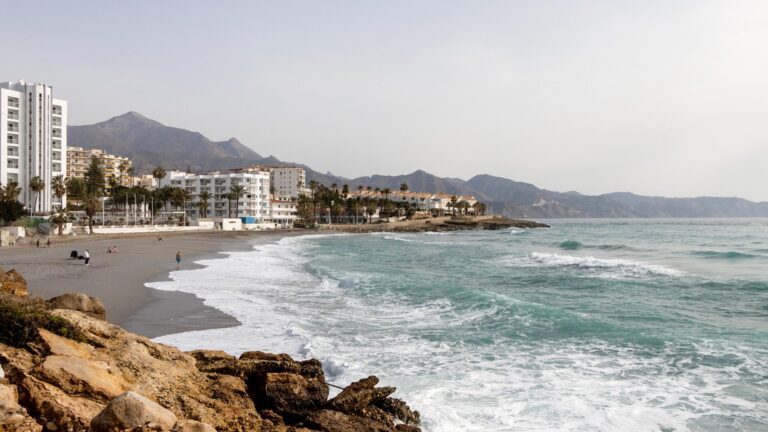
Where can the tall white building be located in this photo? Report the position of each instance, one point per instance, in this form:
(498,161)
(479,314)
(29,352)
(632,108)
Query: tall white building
(254,203)
(33,140)
(286,181)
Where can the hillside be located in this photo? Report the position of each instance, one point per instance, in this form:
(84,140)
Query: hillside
(150,143)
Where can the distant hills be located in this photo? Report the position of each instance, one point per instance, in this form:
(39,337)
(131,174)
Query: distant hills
(149,143)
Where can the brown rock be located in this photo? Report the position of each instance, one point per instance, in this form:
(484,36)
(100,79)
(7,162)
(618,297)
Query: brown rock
(80,302)
(12,282)
(132,410)
(66,347)
(334,421)
(12,416)
(399,410)
(291,394)
(192,426)
(44,400)
(78,375)
(170,377)
(407,428)
(357,396)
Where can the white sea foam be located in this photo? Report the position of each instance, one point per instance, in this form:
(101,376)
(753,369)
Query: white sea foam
(603,267)
(500,386)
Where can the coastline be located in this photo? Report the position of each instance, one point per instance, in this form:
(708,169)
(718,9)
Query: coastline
(119,280)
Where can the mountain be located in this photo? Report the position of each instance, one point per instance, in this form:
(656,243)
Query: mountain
(150,143)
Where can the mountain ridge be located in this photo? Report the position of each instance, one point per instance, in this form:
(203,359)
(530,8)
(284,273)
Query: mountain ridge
(150,143)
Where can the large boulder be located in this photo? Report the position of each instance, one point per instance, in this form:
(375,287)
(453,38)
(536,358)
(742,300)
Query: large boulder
(80,302)
(13,283)
(291,395)
(132,410)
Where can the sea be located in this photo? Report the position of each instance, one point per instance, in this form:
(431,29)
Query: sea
(590,325)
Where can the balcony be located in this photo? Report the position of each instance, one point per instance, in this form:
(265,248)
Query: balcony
(13,102)
(57,145)
(13,115)
(13,127)
(57,133)
(13,163)
(57,122)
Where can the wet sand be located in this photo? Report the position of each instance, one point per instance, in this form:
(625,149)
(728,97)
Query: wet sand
(118,279)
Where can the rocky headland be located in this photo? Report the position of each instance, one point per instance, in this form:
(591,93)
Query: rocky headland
(64,368)
(456,223)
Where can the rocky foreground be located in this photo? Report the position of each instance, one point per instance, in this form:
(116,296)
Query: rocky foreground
(63,368)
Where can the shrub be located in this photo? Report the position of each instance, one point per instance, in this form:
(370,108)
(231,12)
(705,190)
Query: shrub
(22,316)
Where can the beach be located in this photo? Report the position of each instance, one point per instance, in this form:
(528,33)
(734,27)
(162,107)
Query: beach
(119,279)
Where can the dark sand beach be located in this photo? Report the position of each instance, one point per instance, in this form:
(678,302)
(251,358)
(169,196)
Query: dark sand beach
(118,279)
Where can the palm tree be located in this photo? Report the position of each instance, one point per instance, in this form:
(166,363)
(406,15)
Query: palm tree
(158,173)
(230,196)
(59,187)
(60,218)
(91,207)
(386,192)
(180,198)
(122,169)
(453,204)
(11,191)
(36,184)
(203,199)
(237,191)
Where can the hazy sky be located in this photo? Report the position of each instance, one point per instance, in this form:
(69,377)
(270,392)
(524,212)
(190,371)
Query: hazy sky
(654,97)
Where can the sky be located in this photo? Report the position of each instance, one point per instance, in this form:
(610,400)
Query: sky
(664,98)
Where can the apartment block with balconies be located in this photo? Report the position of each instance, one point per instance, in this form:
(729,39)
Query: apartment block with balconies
(115,168)
(33,140)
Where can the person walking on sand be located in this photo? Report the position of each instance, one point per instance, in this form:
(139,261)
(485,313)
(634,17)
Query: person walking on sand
(87,256)
(178,259)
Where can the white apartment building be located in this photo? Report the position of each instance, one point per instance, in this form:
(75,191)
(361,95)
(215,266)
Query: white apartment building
(286,181)
(253,204)
(33,140)
(283,212)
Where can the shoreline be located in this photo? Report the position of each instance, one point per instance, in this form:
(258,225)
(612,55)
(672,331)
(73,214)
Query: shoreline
(119,280)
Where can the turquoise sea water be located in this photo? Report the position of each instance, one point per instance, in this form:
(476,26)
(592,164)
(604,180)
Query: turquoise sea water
(596,325)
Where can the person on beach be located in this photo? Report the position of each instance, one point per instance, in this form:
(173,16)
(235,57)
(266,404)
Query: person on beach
(178,259)
(87,256)
(38,242)
(48,243)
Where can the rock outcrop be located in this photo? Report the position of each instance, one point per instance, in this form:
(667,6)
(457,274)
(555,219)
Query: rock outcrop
(12,282)
(106,379)
(80,302)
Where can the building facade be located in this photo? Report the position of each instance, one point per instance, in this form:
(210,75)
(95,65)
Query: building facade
(288,181)
(254,203)
(116,168)
(33,141)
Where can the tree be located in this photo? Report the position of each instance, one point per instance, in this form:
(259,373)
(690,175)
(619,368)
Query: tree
(10,210)
(94,178)
(180,198)
(237,191)
(203,199)
(122,169)
(91,206)
(386,192)
(158,173)
(36,184)
(60,218)
(11,191)
(59,187)
(230,196)
(75,188)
